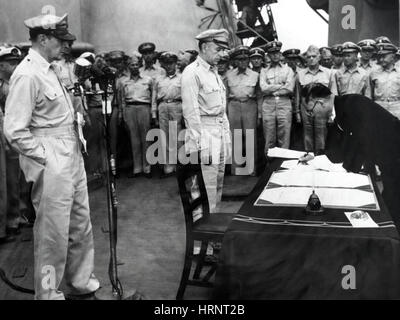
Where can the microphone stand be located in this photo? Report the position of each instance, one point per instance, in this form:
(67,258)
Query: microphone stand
(112,201)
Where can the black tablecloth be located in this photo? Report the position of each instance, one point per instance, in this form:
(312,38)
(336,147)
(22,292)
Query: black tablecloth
(282,253)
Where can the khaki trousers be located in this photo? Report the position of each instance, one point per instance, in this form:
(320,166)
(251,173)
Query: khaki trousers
(277,122)
(243,116)
(63,239)
(170,120)
(137,119)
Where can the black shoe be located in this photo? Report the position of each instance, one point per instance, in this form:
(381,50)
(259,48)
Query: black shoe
(13,231)
(7,239)
(147,175)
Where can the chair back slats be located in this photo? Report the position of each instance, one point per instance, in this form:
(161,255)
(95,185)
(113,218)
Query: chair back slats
(189,176)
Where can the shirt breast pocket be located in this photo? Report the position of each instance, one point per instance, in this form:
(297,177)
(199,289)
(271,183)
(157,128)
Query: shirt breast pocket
(51,102)
(212,96)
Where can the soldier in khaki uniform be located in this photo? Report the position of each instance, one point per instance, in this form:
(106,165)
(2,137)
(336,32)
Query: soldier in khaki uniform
(167,100)
(257,57)
(294,61)
(204,112)
(384,80)
(337,57)
(277,84)
(150,69)
(292,58)
(315,113)
(10,216)
(351,79)
(40,123)
(242,87)
(136,96)
(368,49)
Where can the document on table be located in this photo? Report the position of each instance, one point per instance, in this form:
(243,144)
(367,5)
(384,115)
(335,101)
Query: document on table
(344,190)
(319,179)
(361,219)
(285,153)
(318,163)
(329,197)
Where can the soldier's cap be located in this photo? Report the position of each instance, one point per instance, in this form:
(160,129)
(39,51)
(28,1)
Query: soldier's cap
(117,55)
(337,50)
(147,47)
(219,36)
(324,49)
(273,46)
(257,52)
(367,45)
(349,47)
(10,53)
(385,48)
(291,53)
(169,57)
(382,39)
(241,52)
(50,25)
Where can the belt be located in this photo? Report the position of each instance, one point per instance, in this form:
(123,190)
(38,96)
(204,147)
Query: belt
(137,103)
(170,101)
(65,130)
(242,100)
(213,119)
(95,107)
(389,100)
(277,97)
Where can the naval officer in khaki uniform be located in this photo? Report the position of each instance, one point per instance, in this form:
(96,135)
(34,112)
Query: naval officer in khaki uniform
(204,112)
(351,79)
(242,87)
(384,80)
(40,123)
(167,100)
(277,84)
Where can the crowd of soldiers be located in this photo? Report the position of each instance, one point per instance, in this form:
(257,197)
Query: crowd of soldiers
(265,91)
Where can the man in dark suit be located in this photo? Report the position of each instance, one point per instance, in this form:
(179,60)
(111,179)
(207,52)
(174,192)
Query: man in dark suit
(364,132)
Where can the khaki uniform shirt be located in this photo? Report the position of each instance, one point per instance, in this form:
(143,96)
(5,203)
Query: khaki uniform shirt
(384,85)
(37,99)
(140,90)
(242,85)
(166,88)
(367,67)
(276,78)
(153,72)
(66,73)
(203,94)
(349,81)
(306,76)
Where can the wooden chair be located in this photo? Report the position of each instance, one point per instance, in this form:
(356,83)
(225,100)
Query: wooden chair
(209,228)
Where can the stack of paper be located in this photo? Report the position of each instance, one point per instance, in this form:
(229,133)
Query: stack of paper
(318,163)
(335,187)
(285,153)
